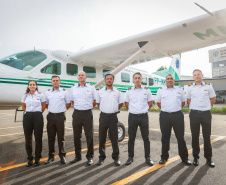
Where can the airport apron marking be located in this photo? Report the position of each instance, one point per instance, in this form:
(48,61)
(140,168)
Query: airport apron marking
(56,156)
(23,132)
(157,166)
(10,127)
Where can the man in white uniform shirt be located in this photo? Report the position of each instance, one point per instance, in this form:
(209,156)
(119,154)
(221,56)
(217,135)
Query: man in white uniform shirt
(170,99)
(200,97)
(57,102)
(138,100)
(83,97)
(110,100)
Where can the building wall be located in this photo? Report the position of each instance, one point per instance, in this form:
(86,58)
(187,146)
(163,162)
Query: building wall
(217,57)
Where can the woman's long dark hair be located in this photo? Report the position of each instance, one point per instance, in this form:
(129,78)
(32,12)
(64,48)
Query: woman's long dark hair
(28,90)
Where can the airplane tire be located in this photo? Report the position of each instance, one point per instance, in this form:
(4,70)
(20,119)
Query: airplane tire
(121,132)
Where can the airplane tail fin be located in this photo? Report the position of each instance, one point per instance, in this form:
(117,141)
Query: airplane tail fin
(175,66)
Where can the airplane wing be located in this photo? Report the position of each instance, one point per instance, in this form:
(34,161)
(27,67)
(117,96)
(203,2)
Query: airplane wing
(209,80)
(177,38)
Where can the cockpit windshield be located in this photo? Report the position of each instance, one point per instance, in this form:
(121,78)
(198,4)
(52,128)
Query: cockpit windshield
(25,61)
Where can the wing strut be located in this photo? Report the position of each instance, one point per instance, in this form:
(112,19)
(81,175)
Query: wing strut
(204,9)
(123,65)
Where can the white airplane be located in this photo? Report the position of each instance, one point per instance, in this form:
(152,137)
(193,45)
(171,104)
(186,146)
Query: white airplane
(16,70)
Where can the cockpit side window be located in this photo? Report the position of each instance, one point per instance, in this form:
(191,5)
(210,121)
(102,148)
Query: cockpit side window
(53,67)
(25,61)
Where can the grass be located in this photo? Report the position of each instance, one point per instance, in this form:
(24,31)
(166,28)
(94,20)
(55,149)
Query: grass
(218,110)
(214,110)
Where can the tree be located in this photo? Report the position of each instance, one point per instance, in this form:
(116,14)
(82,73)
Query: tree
(161,68)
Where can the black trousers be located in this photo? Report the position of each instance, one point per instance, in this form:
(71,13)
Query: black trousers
(204,119)
(142,121)
(56,126)
(175,121)
(33,121)
(83,119)
(108,122)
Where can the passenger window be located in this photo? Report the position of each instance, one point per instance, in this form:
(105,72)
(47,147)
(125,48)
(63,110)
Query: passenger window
(72,69)
(151,81)
(125,77)
(53,67)
(90,71)
(106,72)
(144,81)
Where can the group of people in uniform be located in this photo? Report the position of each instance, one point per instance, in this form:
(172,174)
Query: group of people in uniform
(138,100)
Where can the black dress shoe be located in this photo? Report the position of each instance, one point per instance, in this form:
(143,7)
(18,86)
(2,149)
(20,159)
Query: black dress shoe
(75,160)
(162,161)
(129,161)
(117,162)
(186,161)
(149,161)
(90,161)
(210,163)
(37,163)
(29,163)
(49,160)
(100,162)
(63,160)
(195,162)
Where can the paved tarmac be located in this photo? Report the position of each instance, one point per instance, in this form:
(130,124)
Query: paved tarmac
(14,171)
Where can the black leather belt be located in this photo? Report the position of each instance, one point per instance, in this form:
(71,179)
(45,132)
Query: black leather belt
(139,114)
(171,112)
(111,114)
(56,113)
(82,110)
(200,111)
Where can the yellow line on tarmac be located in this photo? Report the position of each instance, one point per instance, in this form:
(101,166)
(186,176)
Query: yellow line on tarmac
(72,128)
(10,127)
(201,134)
(7,114)
(15,133)
(155,167)
(11,134)
(56,156)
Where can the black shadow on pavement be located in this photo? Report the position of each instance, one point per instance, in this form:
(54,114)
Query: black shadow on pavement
(131,172)
(199,175)
(163,178)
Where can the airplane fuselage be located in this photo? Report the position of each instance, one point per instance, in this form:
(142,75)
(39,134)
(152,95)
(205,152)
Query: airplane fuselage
(14,79)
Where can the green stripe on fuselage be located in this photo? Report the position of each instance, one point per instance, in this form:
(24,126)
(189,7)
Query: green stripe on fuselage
(66,84)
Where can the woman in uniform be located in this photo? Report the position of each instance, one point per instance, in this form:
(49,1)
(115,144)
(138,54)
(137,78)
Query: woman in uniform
(33,103)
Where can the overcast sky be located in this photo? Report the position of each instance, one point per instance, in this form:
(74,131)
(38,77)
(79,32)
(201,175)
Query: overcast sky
(75,24)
